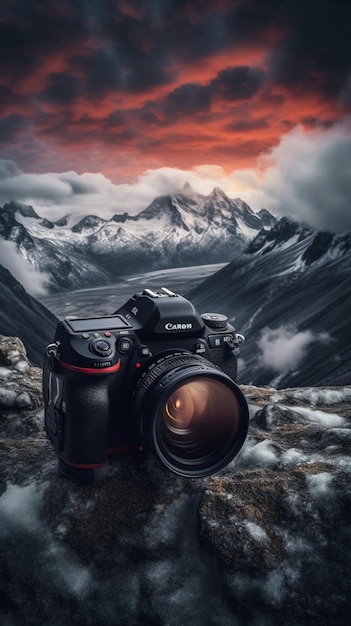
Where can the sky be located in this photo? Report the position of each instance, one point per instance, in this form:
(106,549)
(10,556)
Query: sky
(105,104)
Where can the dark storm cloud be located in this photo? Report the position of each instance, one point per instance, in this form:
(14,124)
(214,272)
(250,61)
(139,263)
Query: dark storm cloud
(206,27)
(12,126)
(243,125)
(61,88)
(32,30)
(316,49)
(114,48)
(186,100)
(132,46)
(116,66)
(66,65)
(189,100)
(192,99)
(236,83)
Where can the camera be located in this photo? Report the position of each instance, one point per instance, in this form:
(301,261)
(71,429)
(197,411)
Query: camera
(154,375)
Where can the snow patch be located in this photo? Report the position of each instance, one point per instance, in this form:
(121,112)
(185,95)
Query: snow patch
(20,513)
(256,532)
(328,420)
(293,457)
(319,484)
(314,395)
(19,509)
(5,373)
(261,454)
(11,399)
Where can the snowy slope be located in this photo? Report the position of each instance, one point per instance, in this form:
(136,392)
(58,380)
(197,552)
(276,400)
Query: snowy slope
(181,229)
(290,294)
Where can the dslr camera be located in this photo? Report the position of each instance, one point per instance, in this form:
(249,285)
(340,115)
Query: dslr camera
(155,375)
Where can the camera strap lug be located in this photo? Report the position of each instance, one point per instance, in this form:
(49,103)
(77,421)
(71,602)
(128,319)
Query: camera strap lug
(53,354)
(234,346)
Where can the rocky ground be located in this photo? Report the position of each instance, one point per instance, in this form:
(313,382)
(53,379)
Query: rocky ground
(265,542)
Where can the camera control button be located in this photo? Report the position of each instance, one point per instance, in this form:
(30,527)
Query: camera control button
(227,339)
(200,348)
(125,344)
(215,341)
(85,335)
(144,351)
(102,347)
(215,320)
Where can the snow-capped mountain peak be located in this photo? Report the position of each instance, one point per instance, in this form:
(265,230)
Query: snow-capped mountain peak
(179,229)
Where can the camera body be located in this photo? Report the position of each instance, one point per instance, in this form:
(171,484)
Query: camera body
(105,377)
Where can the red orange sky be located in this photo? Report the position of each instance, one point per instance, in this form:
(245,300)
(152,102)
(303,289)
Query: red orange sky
(120,87)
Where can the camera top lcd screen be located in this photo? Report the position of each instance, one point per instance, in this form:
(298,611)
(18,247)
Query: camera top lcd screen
(97,323)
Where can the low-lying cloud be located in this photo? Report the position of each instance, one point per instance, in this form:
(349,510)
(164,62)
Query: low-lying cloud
(283,348)
(32,280)
(56,195)
(307,177)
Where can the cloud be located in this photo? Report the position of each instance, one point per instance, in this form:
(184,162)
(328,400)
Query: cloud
(283,348)
(121,86)
(55,195)
(315,49)
(236,83)
(8,169)
(307,177)
(33,280)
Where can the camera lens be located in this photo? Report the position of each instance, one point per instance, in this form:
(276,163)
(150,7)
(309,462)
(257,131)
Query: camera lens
(192,415)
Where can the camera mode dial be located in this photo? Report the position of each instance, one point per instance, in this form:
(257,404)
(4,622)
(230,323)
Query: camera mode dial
(101,347)
(215,320)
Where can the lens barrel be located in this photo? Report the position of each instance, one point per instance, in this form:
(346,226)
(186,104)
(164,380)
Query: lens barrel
(193,416)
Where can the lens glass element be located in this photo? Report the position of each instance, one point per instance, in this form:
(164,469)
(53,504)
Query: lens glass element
(191,414)
(198,422)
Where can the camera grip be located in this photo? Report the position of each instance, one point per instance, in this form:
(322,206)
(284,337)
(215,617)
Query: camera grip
(226,360)
(85,419)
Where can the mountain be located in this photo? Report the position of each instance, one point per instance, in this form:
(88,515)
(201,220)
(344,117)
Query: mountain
(50,247)
(176,230)
(289,293)
(23,315)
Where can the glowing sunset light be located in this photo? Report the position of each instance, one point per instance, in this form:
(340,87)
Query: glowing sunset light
(135,86)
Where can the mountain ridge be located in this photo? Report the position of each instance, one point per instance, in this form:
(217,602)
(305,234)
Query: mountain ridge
(180,229)
(25,316)
(289,293)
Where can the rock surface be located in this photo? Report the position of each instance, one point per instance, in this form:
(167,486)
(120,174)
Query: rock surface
(266,541)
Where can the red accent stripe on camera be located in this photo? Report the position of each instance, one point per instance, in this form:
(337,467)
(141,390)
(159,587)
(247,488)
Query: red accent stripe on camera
(83,465)
(92,370)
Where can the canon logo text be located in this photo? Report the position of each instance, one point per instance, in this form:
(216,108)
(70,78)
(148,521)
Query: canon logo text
(170,326)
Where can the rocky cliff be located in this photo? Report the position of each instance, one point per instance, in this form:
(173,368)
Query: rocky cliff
(266,541)
(23,314)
